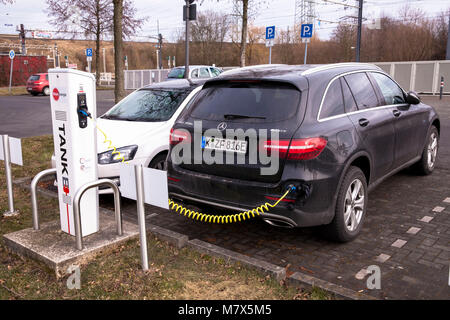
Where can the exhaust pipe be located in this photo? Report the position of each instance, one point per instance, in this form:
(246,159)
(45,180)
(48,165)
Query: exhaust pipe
(279,223)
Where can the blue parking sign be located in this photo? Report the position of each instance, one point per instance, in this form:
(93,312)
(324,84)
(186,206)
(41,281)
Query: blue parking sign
(270,32)
(306,31)
(89,52)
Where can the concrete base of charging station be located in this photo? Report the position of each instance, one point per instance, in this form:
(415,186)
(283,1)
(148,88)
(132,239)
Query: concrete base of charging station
(57,249)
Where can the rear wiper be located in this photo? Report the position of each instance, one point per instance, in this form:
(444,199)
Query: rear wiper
(240,116)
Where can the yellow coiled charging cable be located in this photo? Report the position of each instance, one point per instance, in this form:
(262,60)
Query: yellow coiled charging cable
(241,216)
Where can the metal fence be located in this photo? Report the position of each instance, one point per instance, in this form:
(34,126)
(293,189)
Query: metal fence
(135,79)
(419,76)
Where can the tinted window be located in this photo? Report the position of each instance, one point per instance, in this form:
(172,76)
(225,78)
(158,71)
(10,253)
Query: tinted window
(258,101)
(204,73)
(34,77)
(349,101)
(46,77)
(362,90)
(147,105)
(333,104)
(176,73)
(389,89)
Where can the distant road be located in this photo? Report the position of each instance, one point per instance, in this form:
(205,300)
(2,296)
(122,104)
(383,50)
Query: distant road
(27,115)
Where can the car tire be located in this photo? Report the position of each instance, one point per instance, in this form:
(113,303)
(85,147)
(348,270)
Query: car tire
(351,207)
(46,91)
(159,162)
(427,162)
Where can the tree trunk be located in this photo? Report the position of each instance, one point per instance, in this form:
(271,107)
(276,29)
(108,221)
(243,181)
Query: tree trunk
(119,90)
(97,46)
(244,31)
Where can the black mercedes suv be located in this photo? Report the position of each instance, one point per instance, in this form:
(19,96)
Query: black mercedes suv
(331,131)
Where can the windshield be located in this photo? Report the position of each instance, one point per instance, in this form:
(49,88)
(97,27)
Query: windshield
(247,100)
(148,105)
(176,73)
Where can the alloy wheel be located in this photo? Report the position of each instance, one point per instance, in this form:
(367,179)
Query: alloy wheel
(354,205)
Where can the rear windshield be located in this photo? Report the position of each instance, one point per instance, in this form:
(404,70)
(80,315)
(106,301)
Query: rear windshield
(148,105)
(176,73)
(34,77)
(247,101)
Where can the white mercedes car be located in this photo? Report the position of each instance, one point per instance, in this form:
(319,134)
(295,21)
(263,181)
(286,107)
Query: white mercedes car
(139,127)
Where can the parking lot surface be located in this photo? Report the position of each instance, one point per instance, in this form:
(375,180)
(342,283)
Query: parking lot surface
(406,234)
(27,115)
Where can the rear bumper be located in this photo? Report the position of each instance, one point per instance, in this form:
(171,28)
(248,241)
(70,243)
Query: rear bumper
(312,205)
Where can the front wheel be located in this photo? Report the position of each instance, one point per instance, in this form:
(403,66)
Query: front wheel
(159,162)
(351,206)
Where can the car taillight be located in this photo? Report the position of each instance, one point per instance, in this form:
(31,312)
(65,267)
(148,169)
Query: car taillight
(299,149)
(178,135)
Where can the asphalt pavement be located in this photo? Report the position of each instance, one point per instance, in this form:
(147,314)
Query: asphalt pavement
(26,115)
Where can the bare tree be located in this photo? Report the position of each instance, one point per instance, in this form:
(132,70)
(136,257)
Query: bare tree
(94,18)
(209,32)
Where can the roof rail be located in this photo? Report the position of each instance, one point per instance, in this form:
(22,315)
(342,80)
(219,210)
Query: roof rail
(336,65)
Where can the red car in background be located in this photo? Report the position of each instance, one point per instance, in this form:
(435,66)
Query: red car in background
(38,83)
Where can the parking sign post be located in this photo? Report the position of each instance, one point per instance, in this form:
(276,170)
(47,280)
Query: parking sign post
(12,54)
(306,34)
(89,59)
(270,36)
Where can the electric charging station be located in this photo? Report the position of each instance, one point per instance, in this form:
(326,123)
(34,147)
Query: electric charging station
(73,96)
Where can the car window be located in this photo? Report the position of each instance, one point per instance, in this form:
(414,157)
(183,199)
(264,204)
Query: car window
(194,73)
(176,73)
(333,104)
(390,90)
(349,101)
(46,77)
(362,90)
(214,71)
(247,102)
(204,73)
(148,105)
(34,77)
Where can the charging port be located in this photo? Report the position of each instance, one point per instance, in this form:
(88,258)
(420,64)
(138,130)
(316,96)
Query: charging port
(82,110)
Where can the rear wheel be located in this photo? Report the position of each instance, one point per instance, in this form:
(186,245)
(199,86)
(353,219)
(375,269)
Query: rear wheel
(427,163)
(46,91)
(350,208)
(159,162)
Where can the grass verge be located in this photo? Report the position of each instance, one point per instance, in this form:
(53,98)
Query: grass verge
(173,274)
(15,91)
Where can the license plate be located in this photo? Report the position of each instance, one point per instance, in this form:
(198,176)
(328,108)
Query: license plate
(29,89)
(230,145)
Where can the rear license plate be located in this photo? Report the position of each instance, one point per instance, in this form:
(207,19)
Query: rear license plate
(230,145)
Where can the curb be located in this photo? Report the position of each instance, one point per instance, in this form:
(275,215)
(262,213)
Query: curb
(179,240)
(304,280)
(277,272)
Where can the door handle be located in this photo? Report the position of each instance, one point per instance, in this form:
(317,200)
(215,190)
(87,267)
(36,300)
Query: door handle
(396,113)
(363,122)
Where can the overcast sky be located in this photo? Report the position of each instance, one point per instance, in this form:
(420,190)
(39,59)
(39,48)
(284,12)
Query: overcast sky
(169,13)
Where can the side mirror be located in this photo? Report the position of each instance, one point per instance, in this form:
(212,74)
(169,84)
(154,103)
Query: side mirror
(412,98)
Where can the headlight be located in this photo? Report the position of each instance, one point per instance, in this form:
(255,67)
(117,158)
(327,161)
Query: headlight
(127,152)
